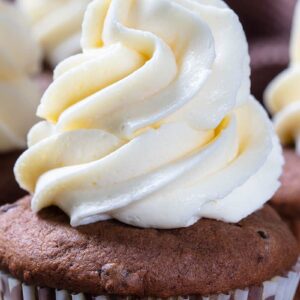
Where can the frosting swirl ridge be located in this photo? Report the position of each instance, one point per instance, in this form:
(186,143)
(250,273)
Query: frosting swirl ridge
(19,60)
(153,124)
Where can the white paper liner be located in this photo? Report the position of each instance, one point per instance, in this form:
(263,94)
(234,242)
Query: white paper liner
(279,288)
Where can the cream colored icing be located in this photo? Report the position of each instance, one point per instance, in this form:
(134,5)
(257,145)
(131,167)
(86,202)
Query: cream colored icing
(153,124)
(56,25)
(19,95)
(282,96)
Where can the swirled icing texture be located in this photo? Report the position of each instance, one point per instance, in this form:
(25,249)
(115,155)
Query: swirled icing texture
(56,25)
(153,123)
(19,95)
(282,96)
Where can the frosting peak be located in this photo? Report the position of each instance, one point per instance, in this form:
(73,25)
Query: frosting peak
(153,124)
(282,96)
(19,60)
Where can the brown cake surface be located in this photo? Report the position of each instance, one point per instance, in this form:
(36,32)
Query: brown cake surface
(110,257)
(287,199)
(9,189)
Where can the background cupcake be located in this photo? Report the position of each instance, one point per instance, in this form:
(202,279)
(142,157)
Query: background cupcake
(20,90)
(282,97)
(56,25)
(267,24)
(152,126)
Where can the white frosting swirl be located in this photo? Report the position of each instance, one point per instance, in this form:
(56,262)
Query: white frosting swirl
(19,59)
(153,123)
(282,96)
(56,25)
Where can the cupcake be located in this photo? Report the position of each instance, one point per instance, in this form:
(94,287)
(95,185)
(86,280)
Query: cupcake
(20,90)
(282,97)
(148,177)
(56,25)
(267,25)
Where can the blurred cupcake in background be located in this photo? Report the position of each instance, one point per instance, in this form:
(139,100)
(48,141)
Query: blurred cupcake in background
(56,25)
(282,97)
(267,25)
(20,90)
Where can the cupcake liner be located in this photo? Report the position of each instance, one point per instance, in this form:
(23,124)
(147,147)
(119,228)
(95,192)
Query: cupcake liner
(278,288)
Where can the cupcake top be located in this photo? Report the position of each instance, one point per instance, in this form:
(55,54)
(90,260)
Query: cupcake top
(56,25)
(153,124)
(19,60)
(208,258)
(282,96)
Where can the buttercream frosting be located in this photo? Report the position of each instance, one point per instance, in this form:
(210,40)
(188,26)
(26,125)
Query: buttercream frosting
(19,60)
(56,25)
(282,96)
(153,124)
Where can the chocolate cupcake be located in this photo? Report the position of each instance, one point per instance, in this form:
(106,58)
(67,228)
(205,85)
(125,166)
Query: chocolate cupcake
(149,148)
(282,97)
(21,86)
(56,25)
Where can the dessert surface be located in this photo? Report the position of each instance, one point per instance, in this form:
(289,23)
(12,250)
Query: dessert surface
(110,257)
